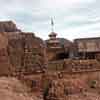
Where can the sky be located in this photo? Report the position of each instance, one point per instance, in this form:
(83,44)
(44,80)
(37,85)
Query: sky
(72,18)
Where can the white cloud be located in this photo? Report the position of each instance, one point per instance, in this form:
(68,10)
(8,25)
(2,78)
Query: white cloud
(63,3)
(76,18)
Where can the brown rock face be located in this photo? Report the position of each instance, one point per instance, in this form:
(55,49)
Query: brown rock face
(13,89)
(34,53)
(26,52)
(4,59)
(20,51)
(8,26)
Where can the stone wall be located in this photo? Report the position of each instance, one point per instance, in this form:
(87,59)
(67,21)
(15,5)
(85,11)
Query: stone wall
(4,58)
(70,65)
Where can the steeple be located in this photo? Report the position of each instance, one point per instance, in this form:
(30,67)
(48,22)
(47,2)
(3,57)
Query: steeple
(52,25)
(52,35)
(53,42)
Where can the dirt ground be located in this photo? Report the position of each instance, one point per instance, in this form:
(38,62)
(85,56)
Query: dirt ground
(13,89)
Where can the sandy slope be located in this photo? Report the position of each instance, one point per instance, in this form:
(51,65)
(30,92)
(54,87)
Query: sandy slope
(12,89)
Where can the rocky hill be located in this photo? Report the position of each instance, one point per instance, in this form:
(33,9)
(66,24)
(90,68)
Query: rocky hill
(8,26)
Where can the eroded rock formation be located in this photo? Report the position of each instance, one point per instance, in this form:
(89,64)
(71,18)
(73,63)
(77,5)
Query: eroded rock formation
(4,58)
(22,52)
(26,53)
(8,26)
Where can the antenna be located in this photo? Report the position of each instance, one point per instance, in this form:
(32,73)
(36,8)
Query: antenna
(52,25)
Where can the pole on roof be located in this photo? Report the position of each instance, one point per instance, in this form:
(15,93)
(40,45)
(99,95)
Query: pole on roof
(52,25)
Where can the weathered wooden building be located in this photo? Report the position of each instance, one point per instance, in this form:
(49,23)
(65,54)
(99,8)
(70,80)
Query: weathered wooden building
(88,48)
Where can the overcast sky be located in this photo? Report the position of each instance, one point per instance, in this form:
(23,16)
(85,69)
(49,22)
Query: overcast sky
(72,18)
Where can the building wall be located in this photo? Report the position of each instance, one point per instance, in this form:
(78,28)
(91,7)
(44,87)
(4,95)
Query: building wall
(88,45)
(71,66)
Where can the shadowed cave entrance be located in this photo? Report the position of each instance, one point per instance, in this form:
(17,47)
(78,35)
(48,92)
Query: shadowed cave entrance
(62,56)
